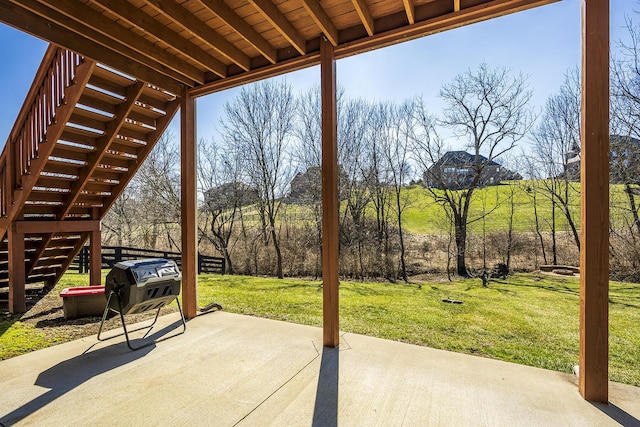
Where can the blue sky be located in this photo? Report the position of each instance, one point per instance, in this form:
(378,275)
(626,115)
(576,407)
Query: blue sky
(542,43)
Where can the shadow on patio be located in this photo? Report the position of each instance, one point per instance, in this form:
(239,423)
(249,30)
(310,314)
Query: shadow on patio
(229,370)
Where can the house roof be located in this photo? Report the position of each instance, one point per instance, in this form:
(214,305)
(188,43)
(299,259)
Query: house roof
(462,158)
(211,45)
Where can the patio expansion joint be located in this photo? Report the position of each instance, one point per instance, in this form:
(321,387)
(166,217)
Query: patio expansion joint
(280,387)
(320,349)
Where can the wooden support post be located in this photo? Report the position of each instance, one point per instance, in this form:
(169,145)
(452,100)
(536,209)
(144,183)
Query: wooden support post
(330,202)
(188,204)
(95,258)
(594,254)
(17,294)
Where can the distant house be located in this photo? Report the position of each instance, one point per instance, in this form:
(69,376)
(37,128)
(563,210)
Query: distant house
(228,195)
(624,160)
(457,170)
(306,187)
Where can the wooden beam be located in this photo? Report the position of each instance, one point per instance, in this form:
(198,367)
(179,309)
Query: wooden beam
(108,32)
(189,205)
(365,15)
(257,74)
(17,277)
(330,203)
(93,26)
(280,23)
(245,30)
(136,17)
(465,16)
(410,10)
(33,24)
(594,206)
(197,28)
(103,143)
(321,19)
(41,227)
(456,5)
(95,260)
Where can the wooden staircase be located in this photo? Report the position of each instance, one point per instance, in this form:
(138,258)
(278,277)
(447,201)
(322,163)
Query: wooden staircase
(81,135)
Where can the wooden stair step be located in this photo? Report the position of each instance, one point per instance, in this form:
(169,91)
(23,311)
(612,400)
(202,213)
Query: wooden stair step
(113,76)
(63,152)
(84,123)
(93,113)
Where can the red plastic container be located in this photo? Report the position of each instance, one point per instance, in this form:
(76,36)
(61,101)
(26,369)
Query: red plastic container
(83,301)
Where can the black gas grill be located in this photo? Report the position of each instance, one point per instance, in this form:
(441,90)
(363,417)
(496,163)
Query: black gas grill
(141,285)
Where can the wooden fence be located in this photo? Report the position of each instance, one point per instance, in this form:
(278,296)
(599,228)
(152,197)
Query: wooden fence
(111,255)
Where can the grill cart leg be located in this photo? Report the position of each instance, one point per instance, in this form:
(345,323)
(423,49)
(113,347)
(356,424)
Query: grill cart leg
(124,325)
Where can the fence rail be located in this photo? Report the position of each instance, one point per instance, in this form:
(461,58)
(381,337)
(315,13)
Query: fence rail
(111,255)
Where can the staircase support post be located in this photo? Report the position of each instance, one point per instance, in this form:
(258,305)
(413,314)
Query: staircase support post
(594,217)
(330,202)
(95,258)
(17,293)
(189,204)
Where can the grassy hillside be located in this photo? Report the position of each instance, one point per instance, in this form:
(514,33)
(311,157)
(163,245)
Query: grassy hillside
(424,216)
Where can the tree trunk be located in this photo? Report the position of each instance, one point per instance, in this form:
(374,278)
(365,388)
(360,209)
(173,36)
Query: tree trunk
(227,260)
(276,247)
(510,231)
(554,247)
(632,206)
(572,225)
(403,263)
(461,246)
(538,232)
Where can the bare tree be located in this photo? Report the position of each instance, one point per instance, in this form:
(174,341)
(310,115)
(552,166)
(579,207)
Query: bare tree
(625,119)
(376,175)
(308,155)
(353,122)
(396,155)
(120,221)
(259,123)
(159,192)
(487,107)
(557,143)
(224,196)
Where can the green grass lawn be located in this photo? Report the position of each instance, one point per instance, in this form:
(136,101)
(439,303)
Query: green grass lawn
(527,319)
(532,319)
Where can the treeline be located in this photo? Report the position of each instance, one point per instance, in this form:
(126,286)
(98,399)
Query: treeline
(260,182)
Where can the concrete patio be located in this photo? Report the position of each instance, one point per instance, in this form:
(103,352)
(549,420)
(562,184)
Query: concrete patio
(229,370)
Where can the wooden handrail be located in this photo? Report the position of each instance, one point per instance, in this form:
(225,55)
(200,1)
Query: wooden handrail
(55,74)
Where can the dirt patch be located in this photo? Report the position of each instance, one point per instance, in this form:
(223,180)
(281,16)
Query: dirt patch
(44,312)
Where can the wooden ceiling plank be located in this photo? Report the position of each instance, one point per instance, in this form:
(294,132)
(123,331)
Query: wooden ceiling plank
(281,24)
(88,17)
(410,10)
(37,24)
(144,22)
(322,20)
(225,13)
(450,20)
(365,15)
(185,19)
